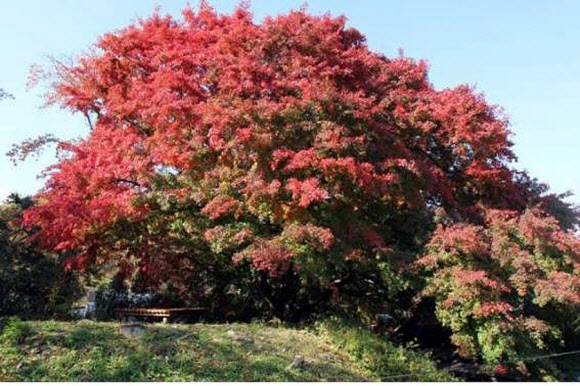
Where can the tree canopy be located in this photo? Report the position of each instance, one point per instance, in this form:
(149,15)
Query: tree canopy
(288,155)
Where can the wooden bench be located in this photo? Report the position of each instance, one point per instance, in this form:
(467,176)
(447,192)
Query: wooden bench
(165,313)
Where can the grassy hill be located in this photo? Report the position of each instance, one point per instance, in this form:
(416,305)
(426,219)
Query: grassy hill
(92,351)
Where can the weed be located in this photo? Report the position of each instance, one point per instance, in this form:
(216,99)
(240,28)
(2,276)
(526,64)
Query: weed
(15,331)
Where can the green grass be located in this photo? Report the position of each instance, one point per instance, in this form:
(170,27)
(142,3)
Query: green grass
(91,351)
(379,357)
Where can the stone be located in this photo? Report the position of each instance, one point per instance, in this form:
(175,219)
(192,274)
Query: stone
(298,363)
(132,331)
(244,340)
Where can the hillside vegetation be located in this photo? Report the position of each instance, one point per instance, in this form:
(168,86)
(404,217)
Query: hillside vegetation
(91,351)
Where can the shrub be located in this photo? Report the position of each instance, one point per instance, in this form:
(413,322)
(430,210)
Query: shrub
(33,282)
(505,288)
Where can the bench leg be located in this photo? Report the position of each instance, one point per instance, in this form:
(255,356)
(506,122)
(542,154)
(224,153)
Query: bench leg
(165,320)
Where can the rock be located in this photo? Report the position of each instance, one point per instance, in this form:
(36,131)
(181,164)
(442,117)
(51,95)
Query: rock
(298,363)
(132,331)
(244,340)
(239,338)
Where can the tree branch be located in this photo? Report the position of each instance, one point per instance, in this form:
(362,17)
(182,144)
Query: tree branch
(88,117)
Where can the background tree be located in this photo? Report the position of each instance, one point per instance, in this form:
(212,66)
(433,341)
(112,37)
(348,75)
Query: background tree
(33,283)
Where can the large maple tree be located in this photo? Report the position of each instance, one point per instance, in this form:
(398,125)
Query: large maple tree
(288,147)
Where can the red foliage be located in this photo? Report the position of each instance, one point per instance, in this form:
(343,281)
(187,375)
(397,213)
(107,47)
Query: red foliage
(493,308)
(320,238)
(501,369)
(306,192)
(293,127)
(270,256)
(491,282)
(220,206)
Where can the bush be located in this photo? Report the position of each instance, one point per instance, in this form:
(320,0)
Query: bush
(506,288)
(33,283)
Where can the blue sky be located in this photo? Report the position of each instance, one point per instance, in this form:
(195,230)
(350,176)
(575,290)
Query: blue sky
(523,55)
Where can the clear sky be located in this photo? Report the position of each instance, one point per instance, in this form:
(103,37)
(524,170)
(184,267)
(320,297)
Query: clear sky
(522,54)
